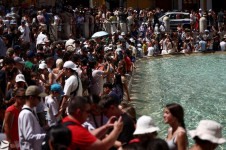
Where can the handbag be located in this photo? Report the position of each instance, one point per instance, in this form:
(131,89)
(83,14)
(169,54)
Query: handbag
(4,145)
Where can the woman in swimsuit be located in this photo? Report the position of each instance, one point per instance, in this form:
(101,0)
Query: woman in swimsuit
(177,136)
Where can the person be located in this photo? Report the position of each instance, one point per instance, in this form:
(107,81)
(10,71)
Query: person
(31,134)
(157,144)
(145,131)
(223,44)
(58,138)
(176,137)
(207,136)
(11,118)
(110,108)
(73,84)
(52,104)
(79,109)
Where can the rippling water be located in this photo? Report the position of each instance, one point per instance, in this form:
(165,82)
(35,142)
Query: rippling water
(197,82)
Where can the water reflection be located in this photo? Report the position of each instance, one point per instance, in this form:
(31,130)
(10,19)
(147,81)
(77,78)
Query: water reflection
(198,83)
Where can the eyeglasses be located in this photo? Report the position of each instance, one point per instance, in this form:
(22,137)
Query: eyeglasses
(21,97)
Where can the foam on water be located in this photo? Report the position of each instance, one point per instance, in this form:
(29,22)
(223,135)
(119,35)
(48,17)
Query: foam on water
(197,82)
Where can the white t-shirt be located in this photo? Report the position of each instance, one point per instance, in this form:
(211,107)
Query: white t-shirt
(71,84)
(40,39)
(97,82)
(223,45)
(25,33)
(52,107)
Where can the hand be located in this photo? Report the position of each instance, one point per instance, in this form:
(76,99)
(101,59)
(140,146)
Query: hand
(118,125)
(111,122)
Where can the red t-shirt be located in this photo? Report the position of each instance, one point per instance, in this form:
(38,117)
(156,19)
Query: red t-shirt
(14,127)
(81,137)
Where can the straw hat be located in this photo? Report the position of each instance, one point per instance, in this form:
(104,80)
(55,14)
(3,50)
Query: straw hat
(145,124)
(208,130)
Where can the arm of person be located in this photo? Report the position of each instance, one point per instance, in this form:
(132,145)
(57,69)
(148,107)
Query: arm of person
(101,131)
(109,140)
(181,141)
(8,125)
(27,124)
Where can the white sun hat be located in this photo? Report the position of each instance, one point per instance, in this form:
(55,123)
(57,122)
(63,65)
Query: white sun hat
(145,124)
(70,64)
(208,130)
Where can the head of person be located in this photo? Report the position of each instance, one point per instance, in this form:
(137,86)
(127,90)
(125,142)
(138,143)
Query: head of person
(208,134)
(157,144)
(79,108)
(95,109)
(58,138)
(59,63)
(109,105)
(56,89)
(19,95)
(132,146)
(174,113)
(69,68)
(129,110)
(33,95)
(42,68)
(20,81)
(146,129)
(107,87)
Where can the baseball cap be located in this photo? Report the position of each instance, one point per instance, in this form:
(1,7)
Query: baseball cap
(34,90)
(70,64)
(57,87)
(42,66)
(20,78)
(30,54)
(18,60)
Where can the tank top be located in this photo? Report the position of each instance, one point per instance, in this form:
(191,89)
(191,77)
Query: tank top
(172,144)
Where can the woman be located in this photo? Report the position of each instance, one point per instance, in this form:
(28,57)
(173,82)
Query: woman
(177,136)
(207,136)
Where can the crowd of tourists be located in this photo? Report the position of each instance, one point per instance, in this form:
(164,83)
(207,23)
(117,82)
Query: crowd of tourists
(74,93)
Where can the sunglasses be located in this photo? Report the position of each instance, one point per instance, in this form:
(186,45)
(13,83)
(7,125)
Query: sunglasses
(21,97)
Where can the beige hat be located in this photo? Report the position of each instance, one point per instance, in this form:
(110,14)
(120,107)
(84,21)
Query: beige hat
(208,130)
(34,90)
(145,124)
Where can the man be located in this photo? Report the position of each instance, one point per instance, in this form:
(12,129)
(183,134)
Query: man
(52,104)
(30,132)
(11,118)
(25,32)
(79,109)
(73,84)
(108,90)
(110,108)
(202,45)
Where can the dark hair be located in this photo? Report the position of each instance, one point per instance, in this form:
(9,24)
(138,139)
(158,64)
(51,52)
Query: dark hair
(177,111)
(108,85)
(77,102)
(107,101)
(59,137)
(157,144)
(132,146)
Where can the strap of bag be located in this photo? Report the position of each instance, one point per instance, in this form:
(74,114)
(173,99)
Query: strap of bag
(68,123)
(76,90)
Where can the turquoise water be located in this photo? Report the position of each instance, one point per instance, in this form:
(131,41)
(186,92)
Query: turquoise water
(197,82)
